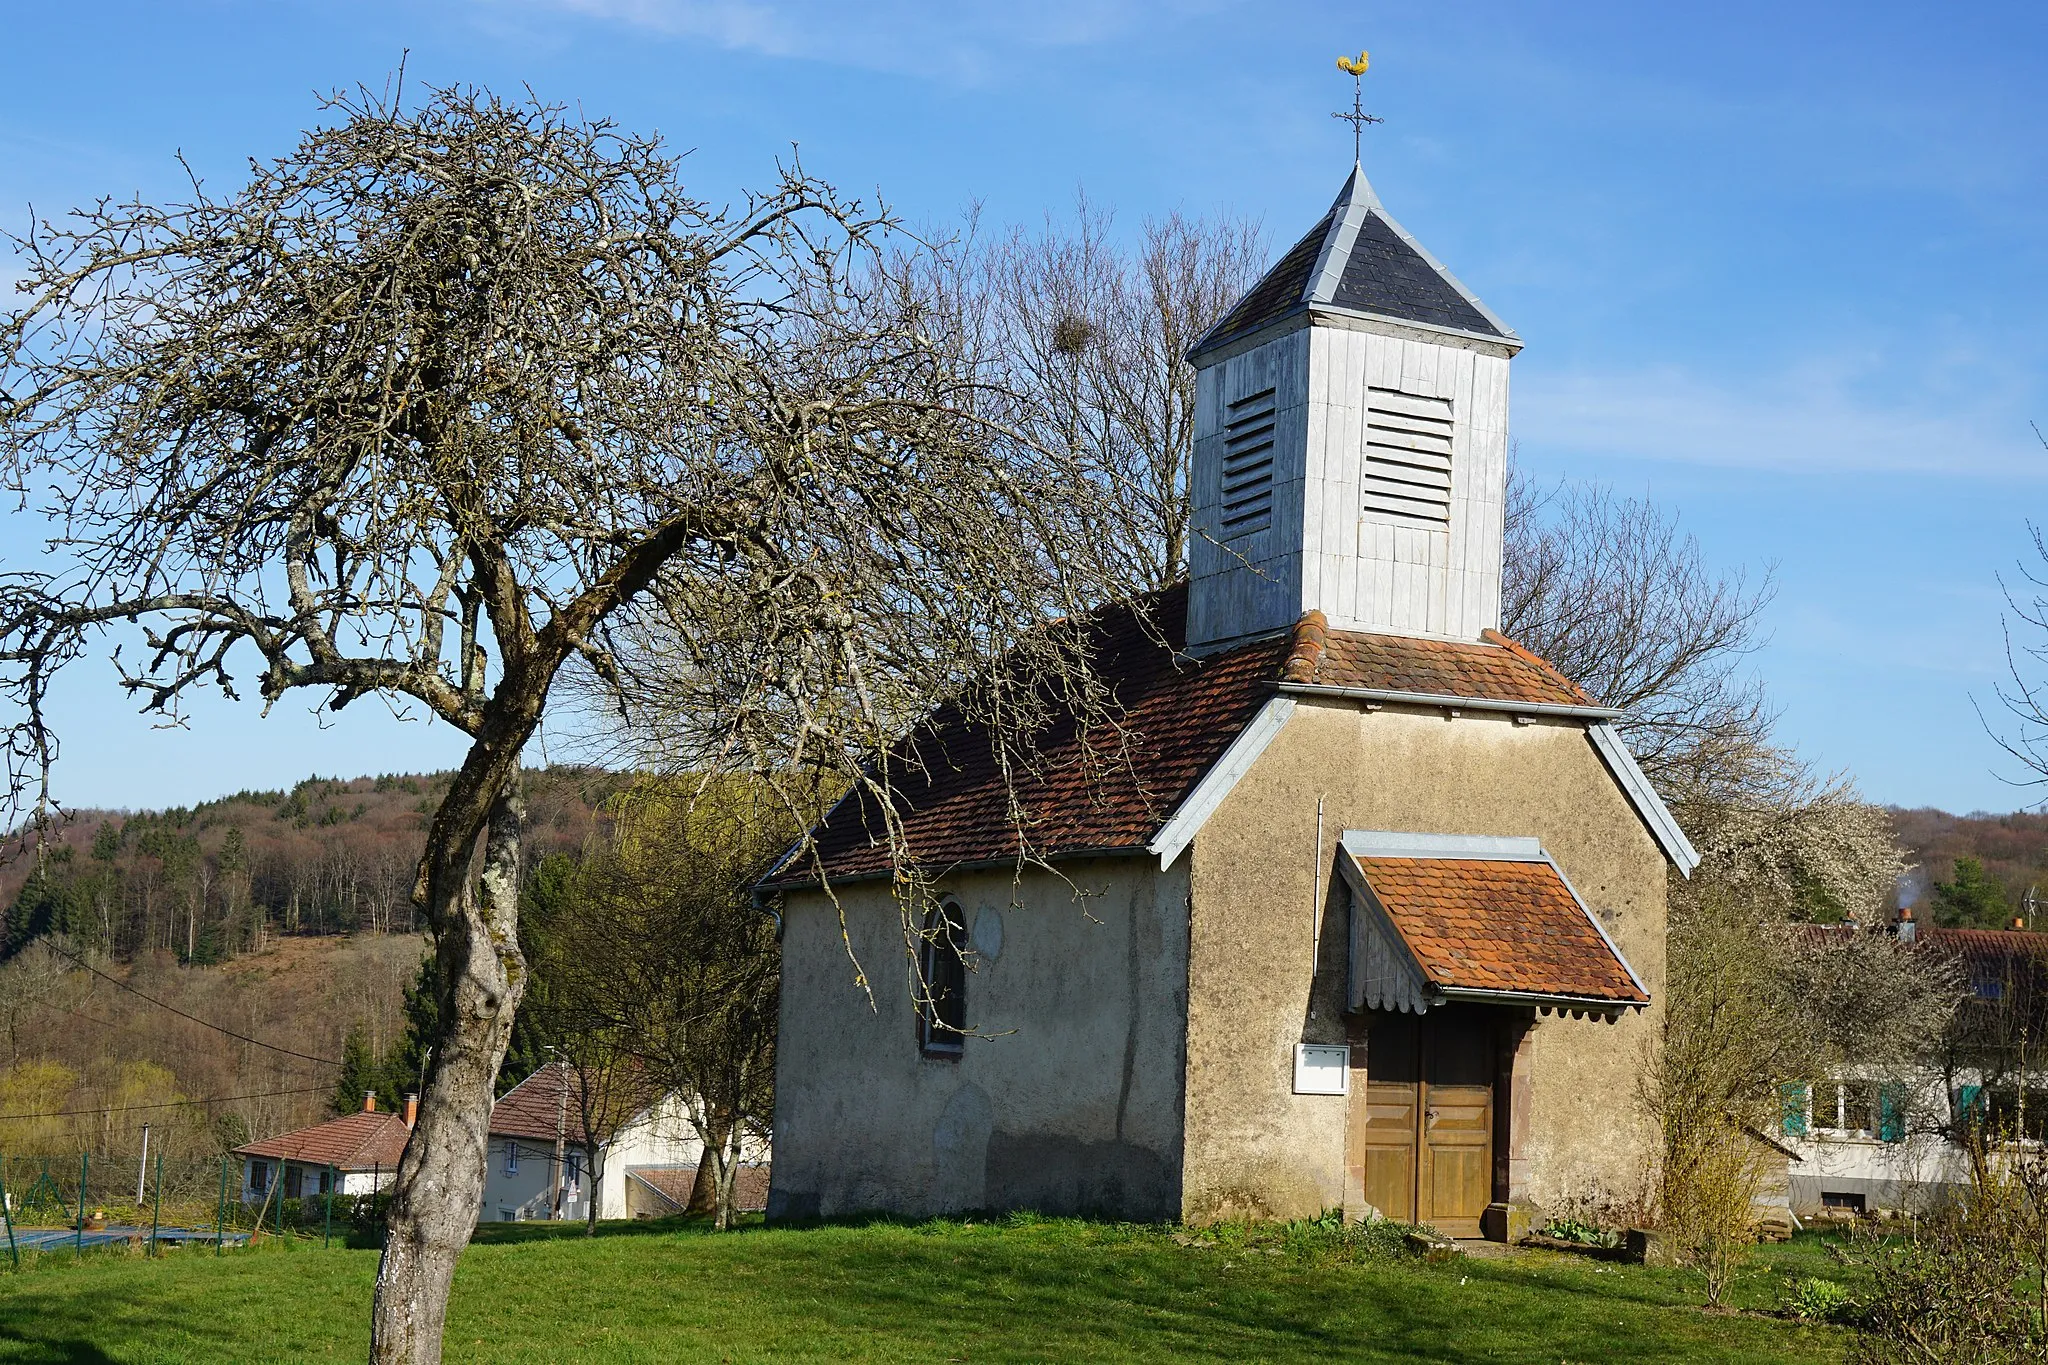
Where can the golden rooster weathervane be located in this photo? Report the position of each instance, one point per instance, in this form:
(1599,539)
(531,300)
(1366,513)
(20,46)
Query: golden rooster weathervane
(1357,118)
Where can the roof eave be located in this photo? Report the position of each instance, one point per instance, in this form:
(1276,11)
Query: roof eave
(1447,701)
(1222,345)
(1642,794)
(1248,338)
(1506,338)
(1591,1004)
(965,865)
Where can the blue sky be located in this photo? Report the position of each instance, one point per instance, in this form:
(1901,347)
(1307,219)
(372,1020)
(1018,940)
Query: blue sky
(1780,267)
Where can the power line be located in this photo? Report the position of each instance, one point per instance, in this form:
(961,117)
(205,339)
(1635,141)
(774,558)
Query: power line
(168,1104)
(203,1023)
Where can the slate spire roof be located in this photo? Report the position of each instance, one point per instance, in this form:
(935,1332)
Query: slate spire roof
(1357,260)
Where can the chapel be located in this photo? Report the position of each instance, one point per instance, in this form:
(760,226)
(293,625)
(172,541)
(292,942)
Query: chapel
(1374,913)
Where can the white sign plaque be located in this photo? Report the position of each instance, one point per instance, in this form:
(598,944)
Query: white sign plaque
(1322,1069)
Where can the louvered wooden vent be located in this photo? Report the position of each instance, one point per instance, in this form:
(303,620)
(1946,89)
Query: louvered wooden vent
(1248,464)
(1408,457)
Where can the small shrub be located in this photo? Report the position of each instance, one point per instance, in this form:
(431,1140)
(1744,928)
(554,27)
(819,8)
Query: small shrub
(1581,1232)
(1819,1300)
(366,1213)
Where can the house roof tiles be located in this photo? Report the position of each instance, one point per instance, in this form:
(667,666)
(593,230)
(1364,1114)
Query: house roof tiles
(1114,791)
(353,1142)
(531,1108)
(1491,924)
(1496,669)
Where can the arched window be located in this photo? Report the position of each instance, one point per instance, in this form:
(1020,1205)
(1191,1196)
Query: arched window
(942,1017)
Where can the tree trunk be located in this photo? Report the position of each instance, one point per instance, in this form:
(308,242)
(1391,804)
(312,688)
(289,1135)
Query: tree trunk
(441,1176)
(593,1171)
(704,1188)
(728,1169)
(711,1191)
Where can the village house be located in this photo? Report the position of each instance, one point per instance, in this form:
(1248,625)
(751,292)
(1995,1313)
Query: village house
(651,1154)
(1369,910)
(638,1164)
(354,1154)
(1878,1140)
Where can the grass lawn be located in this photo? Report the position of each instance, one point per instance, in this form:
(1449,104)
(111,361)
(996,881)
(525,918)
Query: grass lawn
(1019,1290)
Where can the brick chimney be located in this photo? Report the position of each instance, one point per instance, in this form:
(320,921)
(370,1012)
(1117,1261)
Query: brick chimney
(369,1101)
(412,1109)
(1908,931)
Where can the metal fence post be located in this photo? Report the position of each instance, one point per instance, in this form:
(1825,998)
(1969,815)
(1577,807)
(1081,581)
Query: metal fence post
(220,1224)
(156,1214)
(84,1170)
(8,1214)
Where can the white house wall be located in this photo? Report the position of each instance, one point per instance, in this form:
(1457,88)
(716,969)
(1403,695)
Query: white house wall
(1914,1174)
(662,1136)
(350,1182)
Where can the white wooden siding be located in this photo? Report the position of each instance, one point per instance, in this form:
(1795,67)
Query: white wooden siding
(1330,542)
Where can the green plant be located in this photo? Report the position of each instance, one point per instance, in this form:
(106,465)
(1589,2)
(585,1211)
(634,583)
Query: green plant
(1819,1300)
(1579,1231)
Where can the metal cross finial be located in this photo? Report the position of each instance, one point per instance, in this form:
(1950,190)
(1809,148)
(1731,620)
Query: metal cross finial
(1357,118)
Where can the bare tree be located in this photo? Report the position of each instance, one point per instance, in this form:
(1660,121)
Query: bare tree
(1091,338)
(1609,590)
(2024,695)
(420,408)
(604,1090)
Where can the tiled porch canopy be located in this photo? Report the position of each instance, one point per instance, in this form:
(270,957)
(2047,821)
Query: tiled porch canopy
(1439,918)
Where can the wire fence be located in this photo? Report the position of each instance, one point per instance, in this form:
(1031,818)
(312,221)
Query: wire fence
(71,1204)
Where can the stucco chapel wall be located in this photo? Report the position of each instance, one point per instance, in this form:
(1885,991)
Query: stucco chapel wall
(1070,1103)
(1253,1145)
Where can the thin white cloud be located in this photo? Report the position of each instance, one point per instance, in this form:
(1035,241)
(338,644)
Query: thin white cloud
(971,41)
(1809,423)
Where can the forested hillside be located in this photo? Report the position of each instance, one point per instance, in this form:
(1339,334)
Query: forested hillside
(208,970)
(90,1056)
(217,880)
(2012,849)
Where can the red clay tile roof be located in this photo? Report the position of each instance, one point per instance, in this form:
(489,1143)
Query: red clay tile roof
(530,1108)
(1178,715)
(2006,955)
(1992,949)
(1496,669)
(1495,925)
(749,1185)
(353,1142)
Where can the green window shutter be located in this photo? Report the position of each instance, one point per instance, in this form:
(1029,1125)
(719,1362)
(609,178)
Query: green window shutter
(1969,1105)
(1891,1112)
(1792,1098)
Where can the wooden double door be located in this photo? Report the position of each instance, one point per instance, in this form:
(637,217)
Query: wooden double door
(1421,1136)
